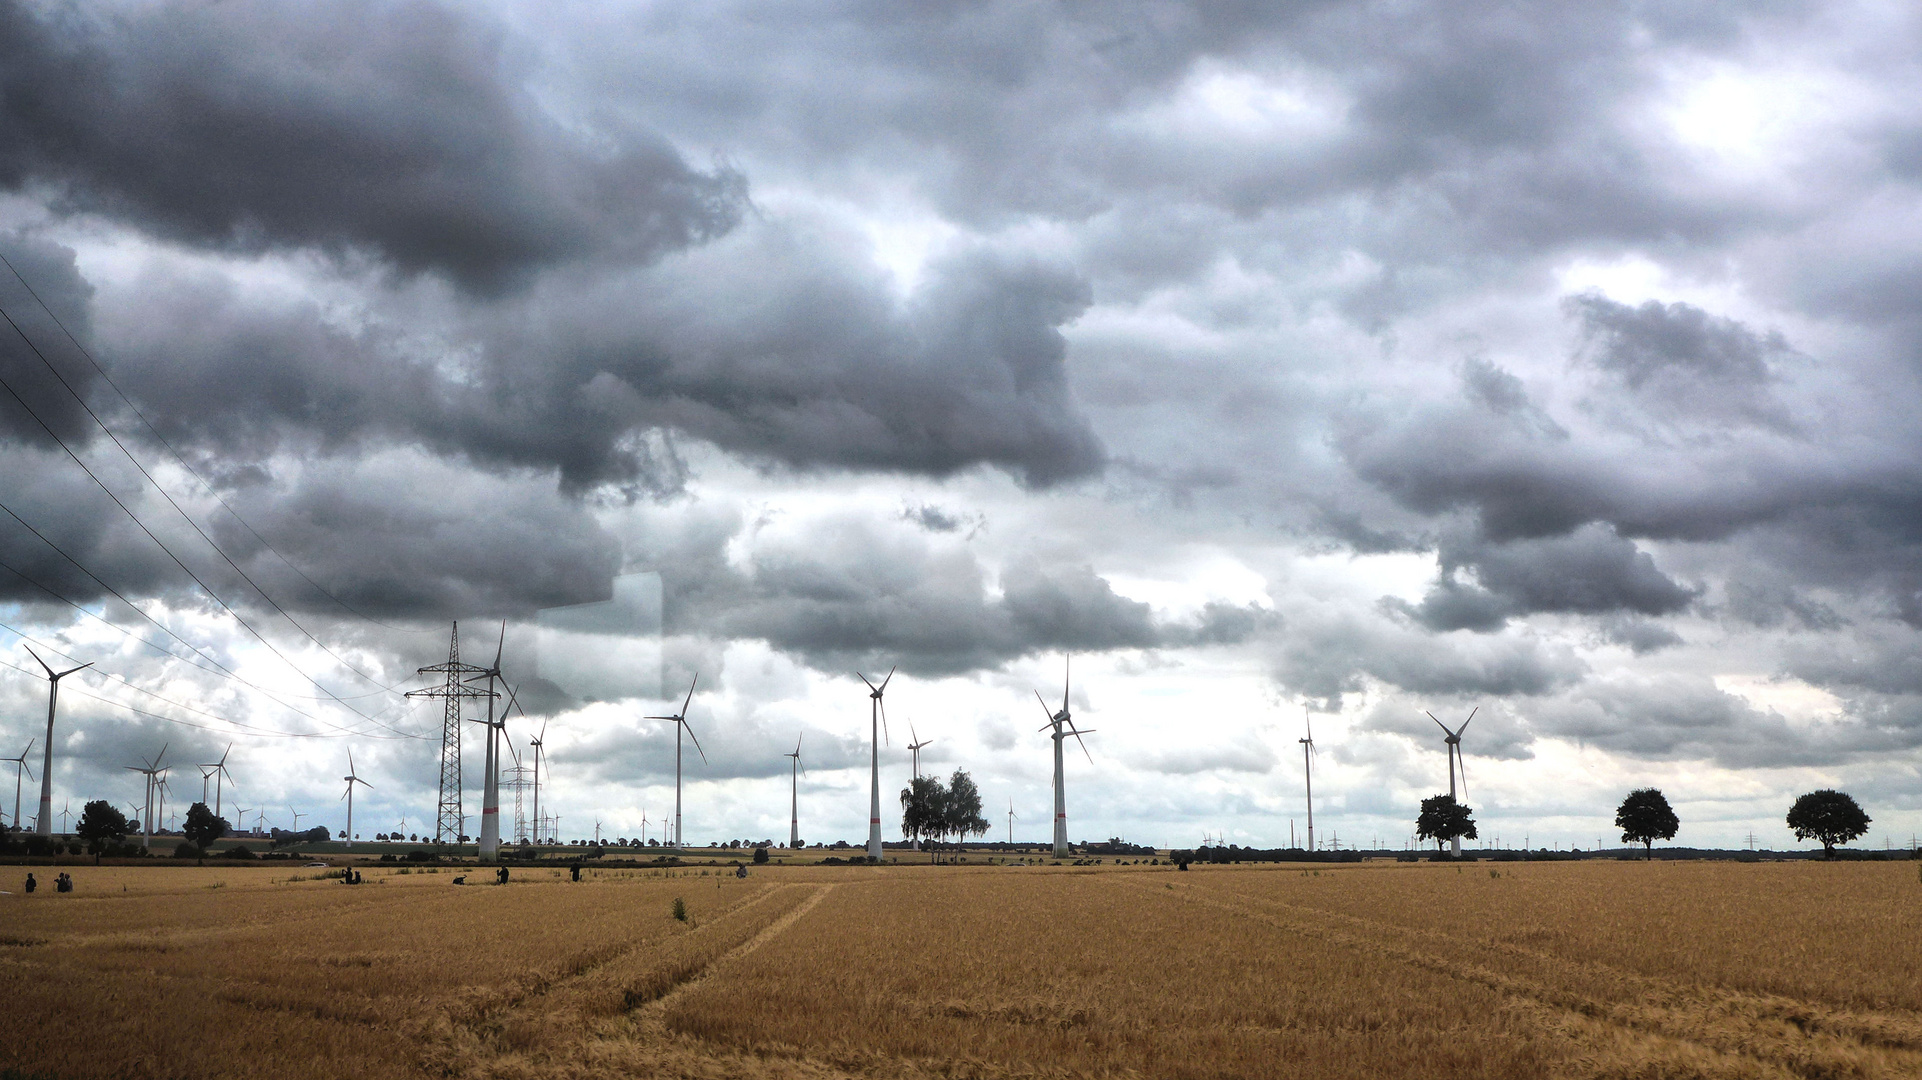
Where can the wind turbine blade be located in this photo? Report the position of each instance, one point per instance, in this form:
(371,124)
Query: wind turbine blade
(1067,667)
(162,754)
(224,753)
(501,645)
(1461,762)
(797,746)
(1044,712)
(884,682)
(1438,723)
(883,702)
(1084,746)
(690,693)
(37,660)
(1471,718)
(865,679)
(913,735)
(350,762)
(697,742)
(543,732)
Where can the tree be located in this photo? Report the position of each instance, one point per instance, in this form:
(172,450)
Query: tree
(760,855)
(100,825)
(920,808)
(1645,817)
(1829,816)
(1442,819)
(202,827)
(961,810)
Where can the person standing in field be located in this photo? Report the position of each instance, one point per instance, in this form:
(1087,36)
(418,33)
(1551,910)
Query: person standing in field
(31,884)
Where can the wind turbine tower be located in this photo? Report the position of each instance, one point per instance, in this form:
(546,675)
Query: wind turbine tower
(351,781)
(151,772)
(877,728)
(1063,725)
(915,748)
(44,823)
(1308,771)
(1011,817)
(218,771)
(1454,742)
(794,796)
(680,725)
(490,829)
(19,766)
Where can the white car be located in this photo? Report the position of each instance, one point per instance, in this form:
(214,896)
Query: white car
(321,865)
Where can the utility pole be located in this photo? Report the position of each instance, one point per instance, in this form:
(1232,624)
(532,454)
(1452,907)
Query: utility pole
(449,820)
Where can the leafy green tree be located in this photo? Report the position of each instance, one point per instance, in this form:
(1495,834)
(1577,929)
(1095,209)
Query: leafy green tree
(961,810)
(100,825)
(1442,819)
(203,828)
(1645,817)
(921,808)
(1829,816)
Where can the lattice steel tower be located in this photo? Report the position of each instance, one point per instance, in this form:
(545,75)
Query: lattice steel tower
(448,821)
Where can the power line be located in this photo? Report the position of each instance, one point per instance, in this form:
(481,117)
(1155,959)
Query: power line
(177,508)
(192,661)
(181,459)
(164,629)
(135,518)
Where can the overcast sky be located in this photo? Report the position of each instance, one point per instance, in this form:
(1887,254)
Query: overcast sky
(1348,360)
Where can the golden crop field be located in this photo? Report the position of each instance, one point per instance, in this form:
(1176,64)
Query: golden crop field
(1592,969)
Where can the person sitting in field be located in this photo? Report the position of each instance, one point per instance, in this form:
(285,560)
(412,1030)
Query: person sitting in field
(501,875)
(461,880)
(741,870)
(31,884)
(63,883)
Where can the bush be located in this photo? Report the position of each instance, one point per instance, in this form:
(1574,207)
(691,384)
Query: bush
(238,851)
(760,855)
(41,847)
(186,850)
(680,909)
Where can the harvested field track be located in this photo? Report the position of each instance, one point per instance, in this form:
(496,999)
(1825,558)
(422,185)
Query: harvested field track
(1525,970)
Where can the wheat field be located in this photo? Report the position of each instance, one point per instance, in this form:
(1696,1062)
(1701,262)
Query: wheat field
(1592,969)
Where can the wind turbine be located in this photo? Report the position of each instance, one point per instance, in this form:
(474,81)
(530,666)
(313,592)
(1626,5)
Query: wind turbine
(64,807)
(680,725)
(877,729)
(490,829)
(597,831)
(44,823)
(1063,725)
(794,796)
(1308,771)
(151,771)
(147,808)
(537,743)
(1011,817)
(915,748)
(240,817)
(1454,741)
(349,796)
(297,816)
(644,824)
(19,766)
(217,770)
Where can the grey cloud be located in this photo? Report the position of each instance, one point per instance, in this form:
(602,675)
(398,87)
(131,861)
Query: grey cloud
(36,377)
(1590,571)
(1326,656)
(776,347)
(1683,362)
(400,129)
(1681,717)
(1243,757)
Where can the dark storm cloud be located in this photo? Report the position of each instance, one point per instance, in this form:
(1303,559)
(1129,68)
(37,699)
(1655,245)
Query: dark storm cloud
(1590,571)
(1682,717)
(44,386)
(1328,655)
(1680,359)
(402,129)
(774,346)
